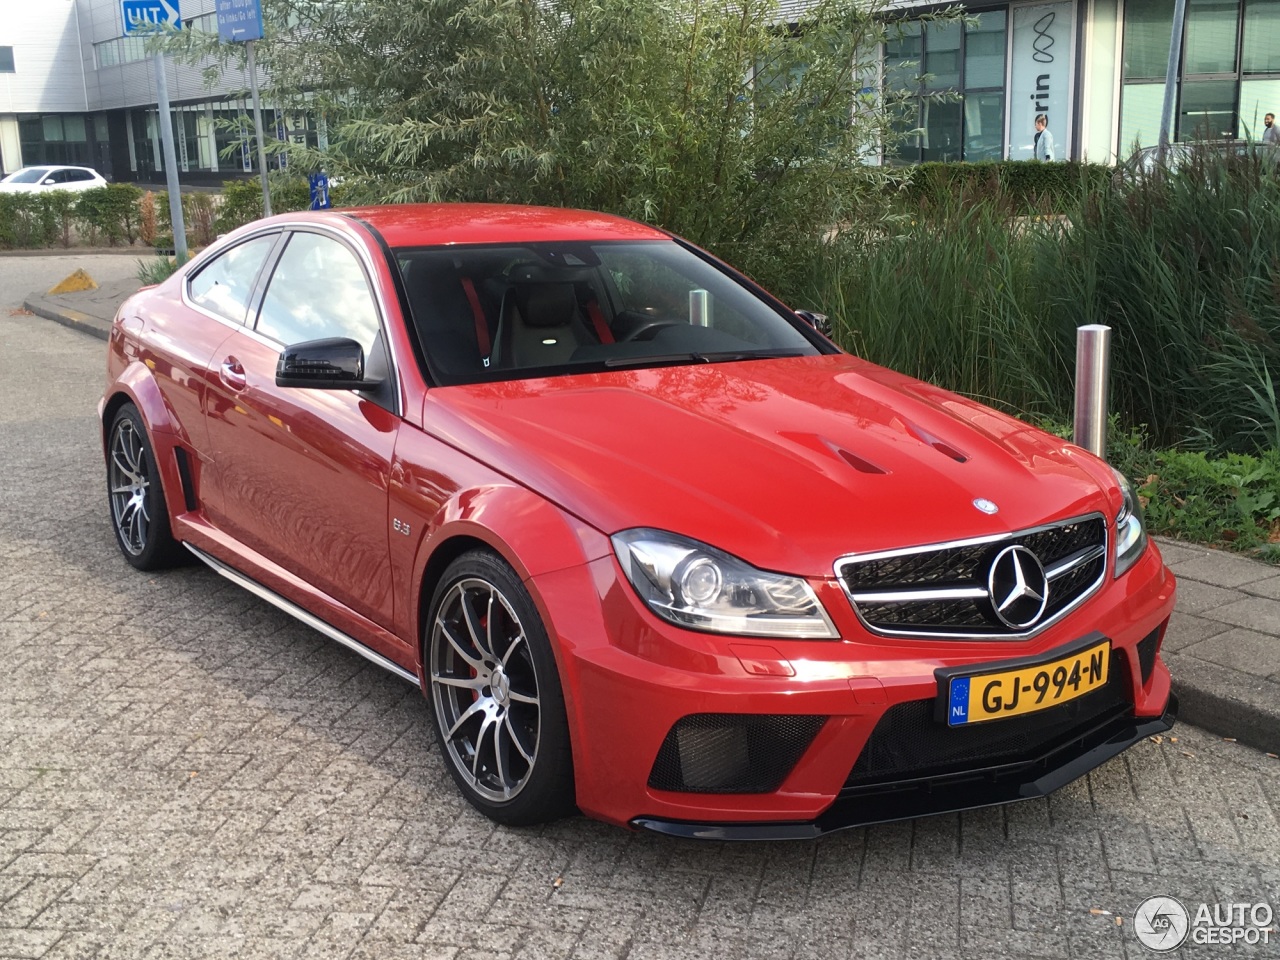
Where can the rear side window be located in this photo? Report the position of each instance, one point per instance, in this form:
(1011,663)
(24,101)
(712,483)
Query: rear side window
(224,285)
(76,175)
(317,290)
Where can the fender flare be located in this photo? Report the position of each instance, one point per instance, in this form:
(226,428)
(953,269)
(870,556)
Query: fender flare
(137,385)
(533,536)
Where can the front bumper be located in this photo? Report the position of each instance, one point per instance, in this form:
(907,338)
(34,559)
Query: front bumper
(945,794)
(630,680)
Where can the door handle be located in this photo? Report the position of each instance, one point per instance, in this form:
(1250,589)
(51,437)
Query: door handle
(232,374)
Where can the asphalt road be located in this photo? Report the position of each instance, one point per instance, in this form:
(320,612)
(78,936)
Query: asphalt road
(185,772)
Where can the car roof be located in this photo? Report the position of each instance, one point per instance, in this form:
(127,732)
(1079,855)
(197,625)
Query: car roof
(432,224)
(55,166)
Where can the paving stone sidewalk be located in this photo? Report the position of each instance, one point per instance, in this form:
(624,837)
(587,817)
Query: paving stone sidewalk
(1223,645)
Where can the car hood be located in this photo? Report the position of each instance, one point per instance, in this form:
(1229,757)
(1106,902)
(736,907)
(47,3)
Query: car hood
(787,463)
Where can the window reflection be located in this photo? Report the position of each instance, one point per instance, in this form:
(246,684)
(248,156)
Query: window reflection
(225,284)
(318,290)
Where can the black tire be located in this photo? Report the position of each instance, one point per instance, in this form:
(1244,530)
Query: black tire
(135,495)
(495,693)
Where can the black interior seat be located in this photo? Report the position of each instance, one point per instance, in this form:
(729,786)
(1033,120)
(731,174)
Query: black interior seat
(541,325)
(446,322)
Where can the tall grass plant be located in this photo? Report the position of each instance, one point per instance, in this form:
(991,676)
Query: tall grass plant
(1184,267)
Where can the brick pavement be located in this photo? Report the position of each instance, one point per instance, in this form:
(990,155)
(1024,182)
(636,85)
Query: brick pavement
(185,772)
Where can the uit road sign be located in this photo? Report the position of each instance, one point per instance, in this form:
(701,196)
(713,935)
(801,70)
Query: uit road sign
(148,14)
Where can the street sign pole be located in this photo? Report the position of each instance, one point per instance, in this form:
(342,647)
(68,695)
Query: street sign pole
(165,122)
(257,129)
(150,14)
(240,21)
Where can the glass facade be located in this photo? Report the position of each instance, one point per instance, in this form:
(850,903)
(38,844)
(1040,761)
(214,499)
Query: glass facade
(952,76)
(56,138)
(1229,77)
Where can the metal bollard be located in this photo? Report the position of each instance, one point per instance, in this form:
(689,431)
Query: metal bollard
(1093,387)
(699,309)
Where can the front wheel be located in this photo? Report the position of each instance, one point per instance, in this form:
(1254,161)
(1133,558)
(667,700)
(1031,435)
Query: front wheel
(139,516)
(495,694)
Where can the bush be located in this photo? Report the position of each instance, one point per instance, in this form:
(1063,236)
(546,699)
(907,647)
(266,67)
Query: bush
(110,213)
(26,221)
(156,270)
(200,210)
(147,219)
(1185,269)
(241,204)
(62,206)
(1026,187)
(200,216)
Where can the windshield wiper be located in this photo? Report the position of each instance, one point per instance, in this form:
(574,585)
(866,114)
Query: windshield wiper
(722,356)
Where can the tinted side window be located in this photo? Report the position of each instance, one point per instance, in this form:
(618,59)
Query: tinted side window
(318,290)
(74,175)
(224,285)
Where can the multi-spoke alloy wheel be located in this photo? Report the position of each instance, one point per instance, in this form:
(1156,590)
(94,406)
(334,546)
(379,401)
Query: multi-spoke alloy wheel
(130,487)
(138,513)
(496,697)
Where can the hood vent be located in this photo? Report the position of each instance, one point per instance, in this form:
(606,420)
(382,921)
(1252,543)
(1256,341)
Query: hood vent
(855,461)
(944,448)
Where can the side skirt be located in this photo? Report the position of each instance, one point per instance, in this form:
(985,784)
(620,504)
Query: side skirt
(312,621)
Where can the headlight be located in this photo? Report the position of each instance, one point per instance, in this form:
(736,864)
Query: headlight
(693,585)
(1131,537)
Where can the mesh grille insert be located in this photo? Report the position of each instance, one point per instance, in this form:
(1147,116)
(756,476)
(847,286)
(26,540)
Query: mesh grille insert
(732,753)
(966,567)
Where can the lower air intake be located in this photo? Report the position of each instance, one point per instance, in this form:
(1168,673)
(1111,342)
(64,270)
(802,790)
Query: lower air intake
(732,753)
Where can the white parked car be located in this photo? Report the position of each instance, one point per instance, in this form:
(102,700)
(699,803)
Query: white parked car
(45,178)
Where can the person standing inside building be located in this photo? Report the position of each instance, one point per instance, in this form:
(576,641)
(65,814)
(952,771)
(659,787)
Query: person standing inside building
(1270,132)
(1042,146)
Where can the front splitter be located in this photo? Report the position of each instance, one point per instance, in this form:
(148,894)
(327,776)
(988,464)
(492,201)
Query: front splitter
(949,794)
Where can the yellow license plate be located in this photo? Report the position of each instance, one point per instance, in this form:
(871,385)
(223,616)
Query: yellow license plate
(973,697)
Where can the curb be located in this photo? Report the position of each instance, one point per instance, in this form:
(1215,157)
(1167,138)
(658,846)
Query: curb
(1226,702)
(70,318)
(140,252)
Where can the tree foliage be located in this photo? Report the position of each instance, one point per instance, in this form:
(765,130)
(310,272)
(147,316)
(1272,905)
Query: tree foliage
(716,120)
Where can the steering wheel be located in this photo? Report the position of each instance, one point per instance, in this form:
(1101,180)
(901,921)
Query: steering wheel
(650,327)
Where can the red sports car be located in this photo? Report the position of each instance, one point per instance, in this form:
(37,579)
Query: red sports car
(652,546)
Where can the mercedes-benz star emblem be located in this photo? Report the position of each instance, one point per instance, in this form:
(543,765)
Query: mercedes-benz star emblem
(1018,588)
(985,505)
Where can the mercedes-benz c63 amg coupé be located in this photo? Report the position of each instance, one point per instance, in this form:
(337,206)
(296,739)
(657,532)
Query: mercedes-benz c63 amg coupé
(653,546)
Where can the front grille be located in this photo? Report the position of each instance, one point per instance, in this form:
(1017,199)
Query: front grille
(909,743)
(942,591)
(732,753)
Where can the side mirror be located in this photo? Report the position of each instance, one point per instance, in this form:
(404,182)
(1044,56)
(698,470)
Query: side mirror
(336,363)
(819,321)
(47,182)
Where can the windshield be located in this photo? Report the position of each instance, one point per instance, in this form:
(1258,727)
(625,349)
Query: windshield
(30,175)
(510,312)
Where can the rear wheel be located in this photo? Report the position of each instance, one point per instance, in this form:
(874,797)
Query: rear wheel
(139,516)
(495,694)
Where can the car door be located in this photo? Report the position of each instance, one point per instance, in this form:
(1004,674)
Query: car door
(181,338)
(302,473)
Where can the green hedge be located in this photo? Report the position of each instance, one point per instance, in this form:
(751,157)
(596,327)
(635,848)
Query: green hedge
(1028,185)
